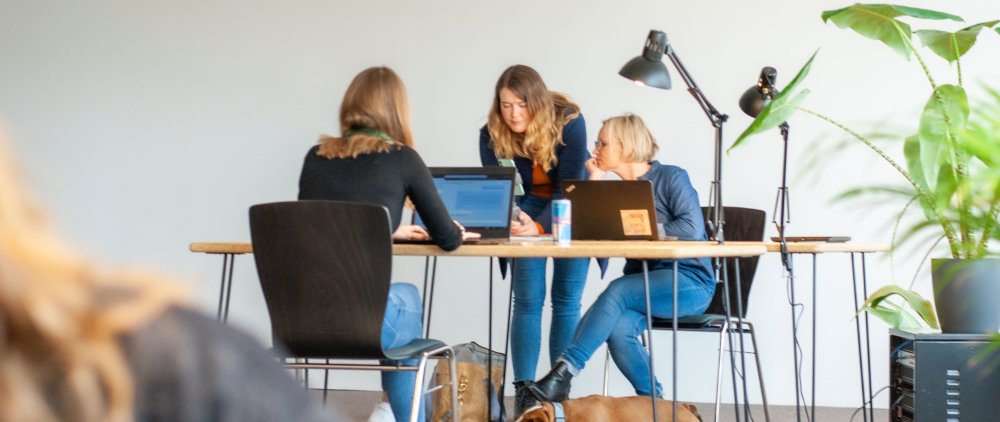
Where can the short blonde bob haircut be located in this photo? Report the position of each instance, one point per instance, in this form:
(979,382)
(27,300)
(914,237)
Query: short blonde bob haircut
(376,101)
(638,143)
(550,111)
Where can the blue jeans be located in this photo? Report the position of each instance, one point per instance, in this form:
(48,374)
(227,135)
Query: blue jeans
(402,324)
(568,279)
(619,317)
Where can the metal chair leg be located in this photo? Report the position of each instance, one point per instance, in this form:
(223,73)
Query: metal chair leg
(326,382)
(760,372)
(455,416)
(718,376)
(305,373)
(718,379)
(607,370)
(418,385)
(418,388)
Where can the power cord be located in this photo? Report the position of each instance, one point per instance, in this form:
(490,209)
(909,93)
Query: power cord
(867,403)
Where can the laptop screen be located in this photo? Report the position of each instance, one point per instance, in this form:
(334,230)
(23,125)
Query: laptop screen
(478,197)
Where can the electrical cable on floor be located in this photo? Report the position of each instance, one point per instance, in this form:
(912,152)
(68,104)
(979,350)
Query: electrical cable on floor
(865,405)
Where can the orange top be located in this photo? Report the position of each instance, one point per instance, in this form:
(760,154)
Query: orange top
(541,185)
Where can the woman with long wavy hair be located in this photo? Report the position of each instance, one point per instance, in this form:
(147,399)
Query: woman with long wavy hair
(545,135)
(80,342)
(373,161)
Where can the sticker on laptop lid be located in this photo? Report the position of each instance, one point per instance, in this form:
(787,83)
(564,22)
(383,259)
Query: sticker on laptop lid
(636,223)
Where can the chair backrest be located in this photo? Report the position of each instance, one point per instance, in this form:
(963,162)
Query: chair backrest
(324,267)
(741,224)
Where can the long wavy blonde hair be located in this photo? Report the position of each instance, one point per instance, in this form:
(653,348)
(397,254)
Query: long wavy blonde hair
(60,318)
(550,111)
(376,100)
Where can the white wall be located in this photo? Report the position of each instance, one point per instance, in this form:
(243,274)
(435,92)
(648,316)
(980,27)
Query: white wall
(145,125)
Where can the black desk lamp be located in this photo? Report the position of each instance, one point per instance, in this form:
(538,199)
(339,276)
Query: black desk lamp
(752,102)
(649,70)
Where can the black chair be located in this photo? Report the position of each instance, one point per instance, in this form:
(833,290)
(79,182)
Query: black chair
(741,224)
(324,268)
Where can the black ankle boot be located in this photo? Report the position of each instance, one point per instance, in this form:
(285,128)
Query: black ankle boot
(523,399)
(554,386)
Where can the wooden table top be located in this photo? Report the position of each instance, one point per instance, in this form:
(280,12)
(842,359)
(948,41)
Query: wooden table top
(585,248)
(821,247)
(588,248)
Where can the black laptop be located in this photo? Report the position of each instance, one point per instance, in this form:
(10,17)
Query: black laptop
(612,210)
(480,198)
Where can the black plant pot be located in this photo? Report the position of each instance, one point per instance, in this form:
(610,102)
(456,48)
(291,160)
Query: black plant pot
(967,294)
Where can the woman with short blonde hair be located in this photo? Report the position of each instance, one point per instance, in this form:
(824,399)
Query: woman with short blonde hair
(545,136)
(638,143)
(626,147)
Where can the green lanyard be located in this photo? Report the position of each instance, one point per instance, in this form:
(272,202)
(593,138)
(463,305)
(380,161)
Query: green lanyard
(375,133)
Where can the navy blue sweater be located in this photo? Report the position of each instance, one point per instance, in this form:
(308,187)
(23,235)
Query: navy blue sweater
(678,209)
(571,156)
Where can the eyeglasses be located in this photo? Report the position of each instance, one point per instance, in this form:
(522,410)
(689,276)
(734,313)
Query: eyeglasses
(598,144)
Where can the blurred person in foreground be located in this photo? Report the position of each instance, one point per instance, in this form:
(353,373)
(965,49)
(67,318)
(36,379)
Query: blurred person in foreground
(81,342)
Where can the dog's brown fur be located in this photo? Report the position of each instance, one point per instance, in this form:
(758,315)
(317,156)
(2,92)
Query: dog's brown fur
(612,409)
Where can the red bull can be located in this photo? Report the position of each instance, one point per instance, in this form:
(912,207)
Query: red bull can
(562,221)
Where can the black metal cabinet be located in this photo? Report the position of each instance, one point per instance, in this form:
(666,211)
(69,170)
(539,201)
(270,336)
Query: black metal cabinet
(943,378)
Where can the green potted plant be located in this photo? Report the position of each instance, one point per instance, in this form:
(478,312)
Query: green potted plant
(951,167)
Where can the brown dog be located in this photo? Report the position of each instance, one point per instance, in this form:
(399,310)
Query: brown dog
(611,409)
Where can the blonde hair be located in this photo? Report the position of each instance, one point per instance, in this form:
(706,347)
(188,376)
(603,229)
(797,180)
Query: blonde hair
(60,319)
(638,143)
(375,100)
(550,111)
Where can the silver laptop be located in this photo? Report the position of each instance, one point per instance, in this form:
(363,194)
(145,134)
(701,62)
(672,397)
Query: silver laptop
(480,198)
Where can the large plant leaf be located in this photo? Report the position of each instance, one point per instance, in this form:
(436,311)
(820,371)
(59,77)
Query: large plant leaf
(945,114)
(895,316)
(981,137)
(782,106)
(912,153)
(878,22)
(922,306)
(883,190)
(952,45)
(771,116)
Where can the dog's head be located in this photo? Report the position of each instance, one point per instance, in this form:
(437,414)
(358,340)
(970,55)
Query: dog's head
(540,413)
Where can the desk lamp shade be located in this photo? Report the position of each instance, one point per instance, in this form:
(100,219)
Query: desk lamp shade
(759,96)
(648,69)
